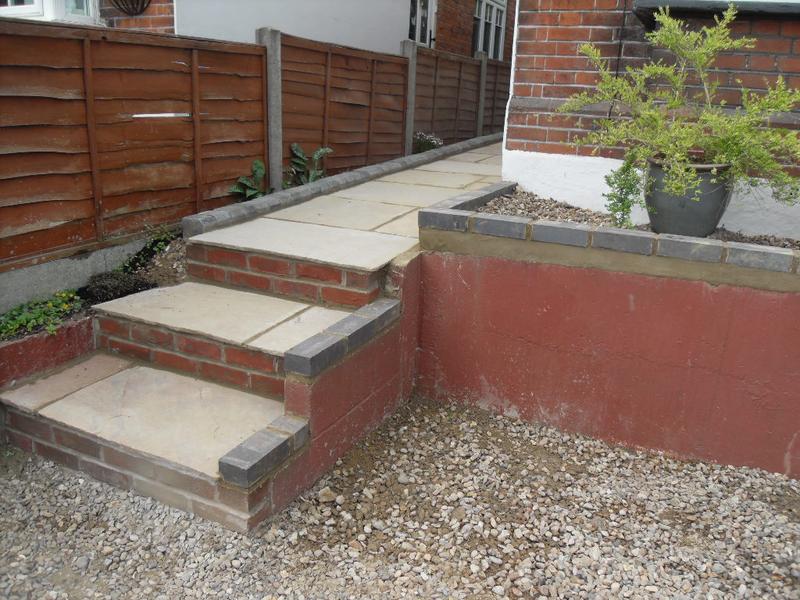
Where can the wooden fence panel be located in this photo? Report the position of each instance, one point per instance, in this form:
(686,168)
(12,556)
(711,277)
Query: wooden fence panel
(350,100)
(447,95)
(106,133)
(498,82)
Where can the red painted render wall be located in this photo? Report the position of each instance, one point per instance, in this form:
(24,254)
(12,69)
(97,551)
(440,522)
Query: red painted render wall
(30,355)
(699,371)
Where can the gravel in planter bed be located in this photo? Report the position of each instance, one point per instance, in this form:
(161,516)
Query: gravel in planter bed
(527,204)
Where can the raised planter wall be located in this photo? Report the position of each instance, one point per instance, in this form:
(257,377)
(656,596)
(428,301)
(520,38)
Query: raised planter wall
(29,355)
(685,355)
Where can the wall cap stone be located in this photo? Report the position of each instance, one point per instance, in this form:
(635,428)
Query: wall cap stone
(459,215)
(312,356)
(244,211)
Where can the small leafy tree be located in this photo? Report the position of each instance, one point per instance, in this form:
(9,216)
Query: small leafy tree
(672,113)
(253,186)
(302,169)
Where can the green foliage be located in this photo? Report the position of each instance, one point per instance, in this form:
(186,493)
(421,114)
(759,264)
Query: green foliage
(251,187)
(672,112)
(302,169)
(44,314)
(155,245)
(625,192)
(423,142)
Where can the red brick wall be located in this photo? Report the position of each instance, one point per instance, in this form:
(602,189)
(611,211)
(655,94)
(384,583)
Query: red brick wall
(454,27)
(550,68)
(685,367)
(158,18)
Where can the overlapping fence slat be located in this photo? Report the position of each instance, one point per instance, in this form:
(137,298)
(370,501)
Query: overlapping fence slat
(350,100)
(447,95)
(498,81)
(104,133)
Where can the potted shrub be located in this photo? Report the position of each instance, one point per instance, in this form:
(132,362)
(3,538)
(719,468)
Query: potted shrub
(685,150)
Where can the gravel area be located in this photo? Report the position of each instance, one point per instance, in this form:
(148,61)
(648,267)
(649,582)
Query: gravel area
(527,204)
(441,502)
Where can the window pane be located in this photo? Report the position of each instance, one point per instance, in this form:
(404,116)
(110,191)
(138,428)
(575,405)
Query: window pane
(487,29)
(423,21)
(78,7)
(412,24)
(7,3)
(498,33)
(476,35)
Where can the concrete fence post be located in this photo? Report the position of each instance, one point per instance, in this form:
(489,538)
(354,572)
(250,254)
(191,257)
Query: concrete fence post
(271,39)
(410,52)
(484,58)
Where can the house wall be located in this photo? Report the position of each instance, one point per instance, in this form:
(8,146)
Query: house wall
(380,27)
(454,26)
(540,151)
(158,18)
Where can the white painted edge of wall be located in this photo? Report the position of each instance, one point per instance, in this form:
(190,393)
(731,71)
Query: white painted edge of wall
(580,181)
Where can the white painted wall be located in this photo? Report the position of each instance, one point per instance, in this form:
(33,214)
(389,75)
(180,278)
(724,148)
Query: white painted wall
(378,25)
(579,181)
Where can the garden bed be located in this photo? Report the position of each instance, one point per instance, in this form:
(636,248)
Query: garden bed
(526,204)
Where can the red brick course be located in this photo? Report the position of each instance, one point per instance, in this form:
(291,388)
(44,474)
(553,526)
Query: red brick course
(312,282)
(549,64)
(124,468)
(252,370)
(158,18)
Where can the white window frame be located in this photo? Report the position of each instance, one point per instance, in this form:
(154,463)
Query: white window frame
(52,10)
(431,33)
(480,14)
(28,11)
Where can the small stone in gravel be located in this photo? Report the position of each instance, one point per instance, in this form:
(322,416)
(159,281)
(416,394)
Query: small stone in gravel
(326,495)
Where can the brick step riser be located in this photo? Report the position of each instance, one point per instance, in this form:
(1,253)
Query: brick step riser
(209,498)
(256,372)
(320,284)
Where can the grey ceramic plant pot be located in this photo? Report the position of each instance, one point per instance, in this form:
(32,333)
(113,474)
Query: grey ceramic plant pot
(691,214)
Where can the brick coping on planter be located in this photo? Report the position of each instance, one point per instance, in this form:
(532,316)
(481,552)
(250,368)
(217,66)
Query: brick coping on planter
(244,211)
(458,215)
(321,351)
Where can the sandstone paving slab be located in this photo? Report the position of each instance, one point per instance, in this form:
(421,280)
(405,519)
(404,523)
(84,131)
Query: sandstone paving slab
(492,160)
(470,157)
(443,180)
(493,150)
(362,250)
(335,211)
(405,194)
(454,166)
(299,328)
(46,390)
(407,225)
(179,418)
(222,313)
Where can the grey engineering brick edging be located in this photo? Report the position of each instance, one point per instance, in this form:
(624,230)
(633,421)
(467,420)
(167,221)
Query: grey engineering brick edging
(264,451)
(317,353)
(244,211)
(458,214)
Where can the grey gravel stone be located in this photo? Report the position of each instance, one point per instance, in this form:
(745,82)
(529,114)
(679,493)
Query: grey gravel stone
(489,502)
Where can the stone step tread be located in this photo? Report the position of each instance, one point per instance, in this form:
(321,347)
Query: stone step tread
(249,319)
(184,420)
(346,248)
